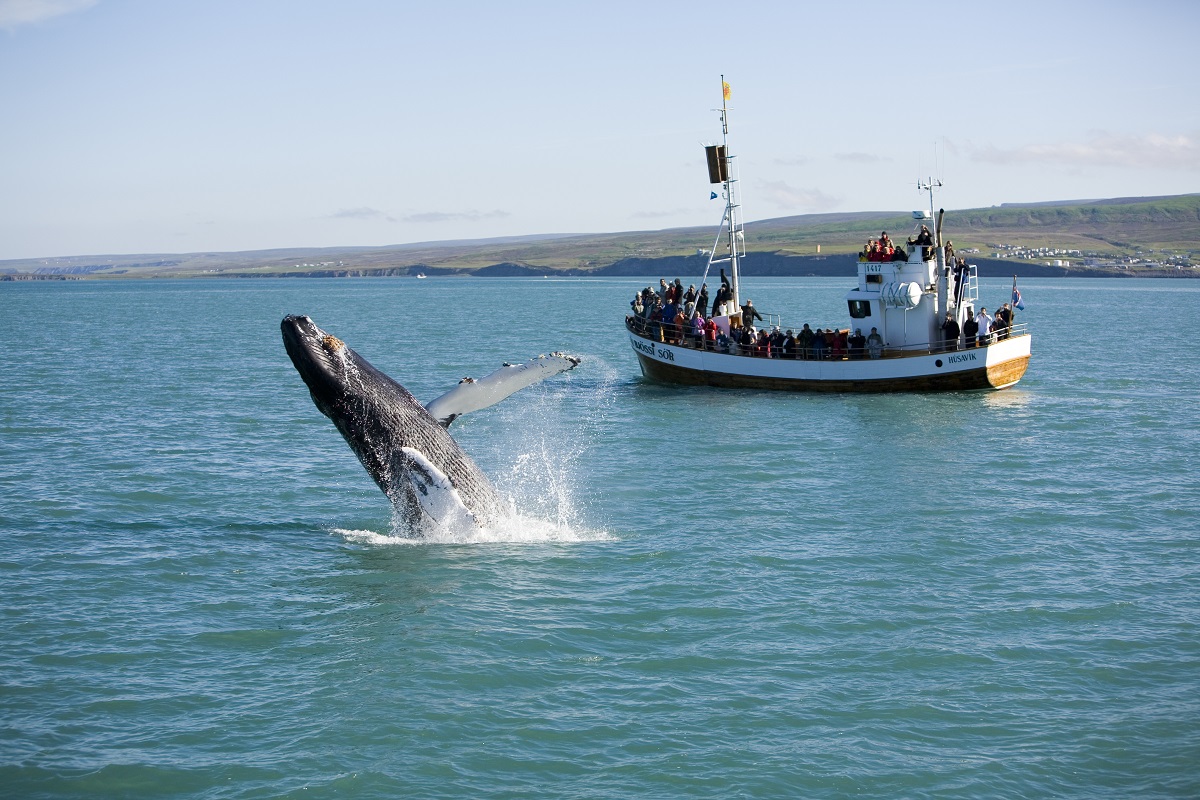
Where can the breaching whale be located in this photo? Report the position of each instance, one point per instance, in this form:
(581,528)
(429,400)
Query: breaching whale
(404,445)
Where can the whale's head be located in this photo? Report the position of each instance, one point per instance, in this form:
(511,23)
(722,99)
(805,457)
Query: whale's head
(323,361)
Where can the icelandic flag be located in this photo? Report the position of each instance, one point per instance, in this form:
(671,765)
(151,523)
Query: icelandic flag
(1016,301)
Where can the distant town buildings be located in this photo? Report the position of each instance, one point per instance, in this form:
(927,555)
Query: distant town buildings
(1057,257)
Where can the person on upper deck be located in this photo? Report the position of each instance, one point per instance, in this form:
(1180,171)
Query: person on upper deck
(924,238)
(702,300)
(750,313)
(960,279)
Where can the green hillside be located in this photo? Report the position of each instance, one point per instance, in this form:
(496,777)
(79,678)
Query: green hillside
(1141,232)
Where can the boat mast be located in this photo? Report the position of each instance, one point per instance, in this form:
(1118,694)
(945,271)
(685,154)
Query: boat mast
(733,216)
(720,164)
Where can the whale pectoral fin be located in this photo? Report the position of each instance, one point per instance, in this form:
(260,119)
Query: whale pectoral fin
(433,492)
(472,395)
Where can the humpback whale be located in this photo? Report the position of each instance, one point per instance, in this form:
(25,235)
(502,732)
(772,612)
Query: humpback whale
(404,445)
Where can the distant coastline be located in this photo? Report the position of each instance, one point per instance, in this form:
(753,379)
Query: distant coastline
(1121,237)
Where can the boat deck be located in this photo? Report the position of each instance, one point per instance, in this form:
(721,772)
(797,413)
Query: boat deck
(653,331)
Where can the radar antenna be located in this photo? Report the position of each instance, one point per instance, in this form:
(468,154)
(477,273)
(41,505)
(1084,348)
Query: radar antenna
(928,185)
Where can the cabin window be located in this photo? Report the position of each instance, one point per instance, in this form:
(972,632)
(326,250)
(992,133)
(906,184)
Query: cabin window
(860,308)
(875,278)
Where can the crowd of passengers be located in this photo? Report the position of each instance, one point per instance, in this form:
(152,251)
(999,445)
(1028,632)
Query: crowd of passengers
(977,329)
(675,316)
(882,249)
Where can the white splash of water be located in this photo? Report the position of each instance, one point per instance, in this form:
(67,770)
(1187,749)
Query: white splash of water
(517,529)
(543,439)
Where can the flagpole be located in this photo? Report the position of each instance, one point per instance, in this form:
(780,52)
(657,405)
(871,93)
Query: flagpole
(1012,306)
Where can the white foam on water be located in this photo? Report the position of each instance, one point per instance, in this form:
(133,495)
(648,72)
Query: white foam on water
(517,529)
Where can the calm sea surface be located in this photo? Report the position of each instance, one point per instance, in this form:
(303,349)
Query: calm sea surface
(708,593)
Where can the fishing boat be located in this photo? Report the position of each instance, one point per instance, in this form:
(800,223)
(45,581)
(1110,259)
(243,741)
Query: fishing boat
(909,323)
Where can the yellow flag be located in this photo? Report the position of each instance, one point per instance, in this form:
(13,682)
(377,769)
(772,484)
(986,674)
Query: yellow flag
(725,90)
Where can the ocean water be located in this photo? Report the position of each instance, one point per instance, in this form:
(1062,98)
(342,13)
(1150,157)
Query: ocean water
(705,593)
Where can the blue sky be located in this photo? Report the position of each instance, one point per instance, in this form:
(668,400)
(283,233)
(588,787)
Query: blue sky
(148,126)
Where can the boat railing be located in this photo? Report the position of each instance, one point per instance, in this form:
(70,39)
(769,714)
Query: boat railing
(665,333)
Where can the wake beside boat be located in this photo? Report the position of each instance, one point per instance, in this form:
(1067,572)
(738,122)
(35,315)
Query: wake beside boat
(912,318)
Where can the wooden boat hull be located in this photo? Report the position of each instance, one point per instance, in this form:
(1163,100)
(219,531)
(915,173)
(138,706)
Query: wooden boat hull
(996,366)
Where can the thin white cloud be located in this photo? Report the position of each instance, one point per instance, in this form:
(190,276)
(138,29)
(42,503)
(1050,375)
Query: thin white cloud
(362,213)
(15,13)
(658,214)
(789,198)
(1153,151)
(454,216)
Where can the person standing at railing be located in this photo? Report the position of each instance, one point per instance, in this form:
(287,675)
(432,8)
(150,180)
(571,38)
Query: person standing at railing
(1002,322)
(950,332)
(804,341)
(858,344)
(787,348)
(837,346)
(985,327)
(875,344)
(818,344)
(969,328)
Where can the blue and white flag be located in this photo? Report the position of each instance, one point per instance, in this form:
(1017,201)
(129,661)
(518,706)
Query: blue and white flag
(712,195)
(1016,301)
